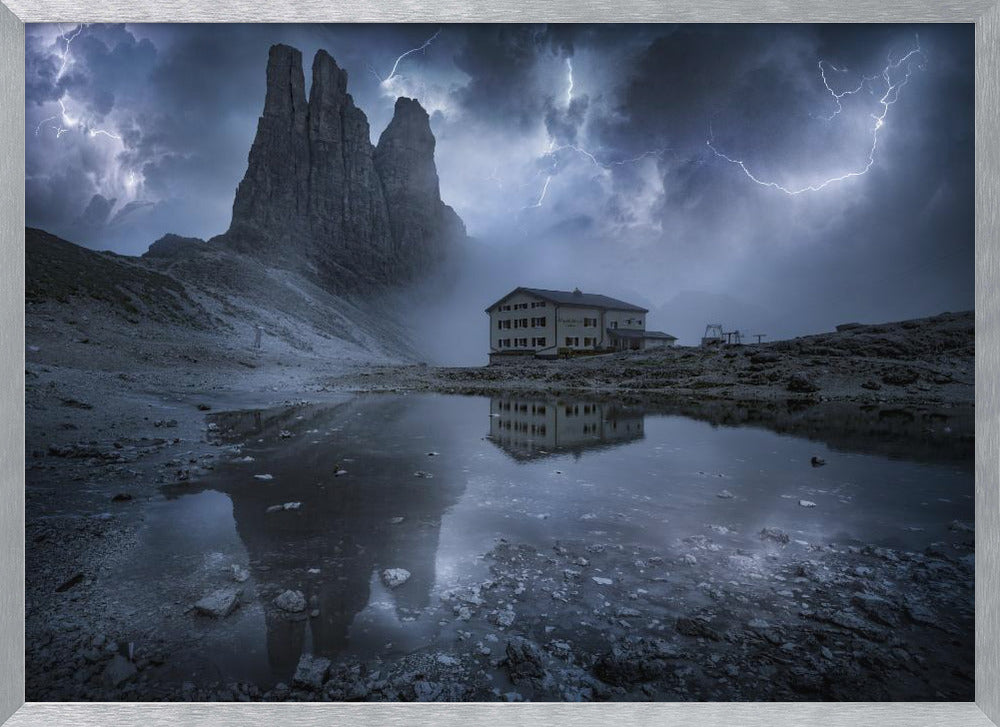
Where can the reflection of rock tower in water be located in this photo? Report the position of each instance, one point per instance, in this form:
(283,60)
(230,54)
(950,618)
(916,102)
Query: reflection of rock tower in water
(343,527)
(527,429)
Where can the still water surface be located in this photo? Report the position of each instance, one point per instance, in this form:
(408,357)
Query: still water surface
(430,483)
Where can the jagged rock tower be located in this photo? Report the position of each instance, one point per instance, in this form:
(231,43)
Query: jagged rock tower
(318,195)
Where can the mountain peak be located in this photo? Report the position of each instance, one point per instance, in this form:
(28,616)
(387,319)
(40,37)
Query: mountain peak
(317,193)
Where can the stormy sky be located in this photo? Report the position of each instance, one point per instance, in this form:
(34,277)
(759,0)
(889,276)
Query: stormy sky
(777,179)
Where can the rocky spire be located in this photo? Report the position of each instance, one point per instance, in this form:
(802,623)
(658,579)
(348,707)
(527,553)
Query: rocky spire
(271,206)
(317,192)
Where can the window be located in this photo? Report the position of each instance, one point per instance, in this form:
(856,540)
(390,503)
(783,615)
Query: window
(590,323)
(516,322)
(588,341)
(524,342)
(538,342)
(572,341)
(499,325)
(614,324)
(524,323)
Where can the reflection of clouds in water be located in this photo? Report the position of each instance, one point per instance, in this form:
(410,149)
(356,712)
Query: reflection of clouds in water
(654,490)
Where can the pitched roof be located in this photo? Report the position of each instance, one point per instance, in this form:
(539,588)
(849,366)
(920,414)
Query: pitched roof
(639,333)
(574,298)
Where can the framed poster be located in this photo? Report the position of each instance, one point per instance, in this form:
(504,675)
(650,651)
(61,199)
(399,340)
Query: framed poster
(500,358)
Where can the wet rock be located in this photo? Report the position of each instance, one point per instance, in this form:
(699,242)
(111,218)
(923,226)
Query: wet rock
(725,495)
(602,581)
(504,618)
(636,660)
(802,384)
(118,671)
(919,613)
(697,627)
(422,474)
(284,434)
(899,376)
(311,672)
(817,461)
(170,423)
(427,691)
(219,603)
(122,497)
(524,661)
(394,577)
(291,601)
(848,620)
(240,574)
(960,527)
(877,609)
(776,534)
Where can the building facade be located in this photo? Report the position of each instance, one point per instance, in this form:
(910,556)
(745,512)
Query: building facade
(551,323)
(528,429)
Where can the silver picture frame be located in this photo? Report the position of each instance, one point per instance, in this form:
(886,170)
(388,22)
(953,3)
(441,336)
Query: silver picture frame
(985,14)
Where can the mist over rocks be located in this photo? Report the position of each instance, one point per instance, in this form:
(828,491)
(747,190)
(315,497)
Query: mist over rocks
(317,195)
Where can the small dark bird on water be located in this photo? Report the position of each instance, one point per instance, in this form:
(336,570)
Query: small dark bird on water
(817,461)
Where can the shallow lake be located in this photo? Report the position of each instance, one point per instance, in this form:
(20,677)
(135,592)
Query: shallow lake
(431,483)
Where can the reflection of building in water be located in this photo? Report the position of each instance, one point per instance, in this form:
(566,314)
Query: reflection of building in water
(526,429)
(330,548)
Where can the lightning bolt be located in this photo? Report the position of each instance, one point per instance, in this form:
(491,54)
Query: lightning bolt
(541,197)
(569,75)
(888,98)
(71,123)
(395,66)
(552,151)
(65,56)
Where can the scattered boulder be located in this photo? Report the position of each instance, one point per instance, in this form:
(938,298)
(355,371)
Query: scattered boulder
(899,376)
(801,384)
(817,461)
(636,660)
(524,661)
(240,574)
(775,534)
(877,609)
(394,577)
(219,603)
(697,627)
(118,671)
(311,672)
(291,601)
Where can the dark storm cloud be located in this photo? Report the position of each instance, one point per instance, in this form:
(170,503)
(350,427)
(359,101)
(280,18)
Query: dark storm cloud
(568,150)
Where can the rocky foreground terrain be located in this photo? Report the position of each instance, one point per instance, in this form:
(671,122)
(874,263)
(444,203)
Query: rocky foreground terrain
(114,416)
